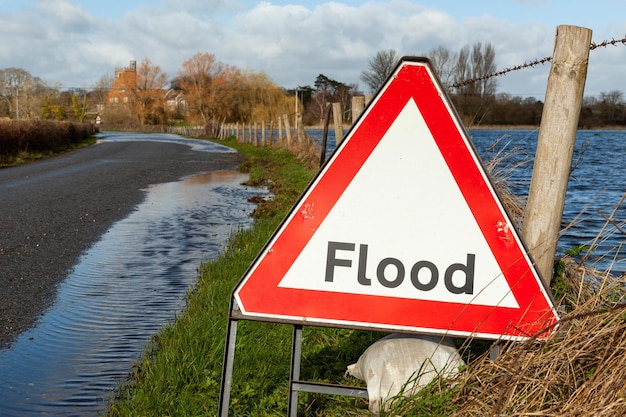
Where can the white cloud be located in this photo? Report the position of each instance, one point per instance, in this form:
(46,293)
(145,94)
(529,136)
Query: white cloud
(63,14)
(60,41)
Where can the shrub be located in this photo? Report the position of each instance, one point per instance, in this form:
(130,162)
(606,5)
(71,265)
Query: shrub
(19,137)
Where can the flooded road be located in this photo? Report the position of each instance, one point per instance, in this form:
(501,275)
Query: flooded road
(53,210)
(122,290)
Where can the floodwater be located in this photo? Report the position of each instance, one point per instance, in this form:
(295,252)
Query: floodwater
(122,292)
(592,215)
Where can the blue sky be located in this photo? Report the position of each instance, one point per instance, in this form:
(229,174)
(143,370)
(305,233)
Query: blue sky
(75,42)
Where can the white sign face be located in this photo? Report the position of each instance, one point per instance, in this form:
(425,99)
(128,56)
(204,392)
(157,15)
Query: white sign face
(405,208)
(401,230)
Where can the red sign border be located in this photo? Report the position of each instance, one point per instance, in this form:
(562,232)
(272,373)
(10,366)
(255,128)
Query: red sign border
(259,296)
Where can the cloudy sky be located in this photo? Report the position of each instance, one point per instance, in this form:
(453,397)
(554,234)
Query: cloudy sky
(76,42)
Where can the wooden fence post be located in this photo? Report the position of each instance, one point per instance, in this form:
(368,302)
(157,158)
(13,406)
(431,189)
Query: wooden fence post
(555,146)
(301,134)
(280,129)
(287,129)
(271,138)
(337,121)
(358,104)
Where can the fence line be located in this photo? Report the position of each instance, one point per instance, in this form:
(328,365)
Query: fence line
(264,133)
(191,131)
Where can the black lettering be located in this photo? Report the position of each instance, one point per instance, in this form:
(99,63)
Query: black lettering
(434,275)
(468,287)
(380,272)
(363,280)
(332,261)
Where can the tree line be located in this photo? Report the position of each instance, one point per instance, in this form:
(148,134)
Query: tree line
(208,92)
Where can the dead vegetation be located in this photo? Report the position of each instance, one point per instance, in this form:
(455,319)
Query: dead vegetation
(580,370)
(306,151)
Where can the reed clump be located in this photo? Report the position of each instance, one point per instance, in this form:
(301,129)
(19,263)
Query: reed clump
(27,139)
(578,371)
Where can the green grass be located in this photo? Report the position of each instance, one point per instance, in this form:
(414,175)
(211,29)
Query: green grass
(180,373)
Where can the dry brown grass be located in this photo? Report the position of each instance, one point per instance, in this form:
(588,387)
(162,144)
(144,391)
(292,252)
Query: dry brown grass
(580,370)
(305,150)
(501,164)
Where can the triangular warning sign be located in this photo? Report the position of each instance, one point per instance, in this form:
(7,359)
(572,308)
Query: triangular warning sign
(401,230)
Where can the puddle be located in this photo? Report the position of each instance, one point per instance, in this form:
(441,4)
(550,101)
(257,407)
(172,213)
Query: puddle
(122,291)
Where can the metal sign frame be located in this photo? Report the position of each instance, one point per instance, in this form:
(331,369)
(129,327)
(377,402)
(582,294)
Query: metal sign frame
(296,385)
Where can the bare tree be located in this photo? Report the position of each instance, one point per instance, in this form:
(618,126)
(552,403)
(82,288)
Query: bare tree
(380,68)
(484,63)
(611,104)
(472,99)
(443,61)
(462,69)
(100,89)
(16,86)
(473,64)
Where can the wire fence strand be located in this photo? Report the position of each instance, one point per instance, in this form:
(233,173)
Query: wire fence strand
(534,63)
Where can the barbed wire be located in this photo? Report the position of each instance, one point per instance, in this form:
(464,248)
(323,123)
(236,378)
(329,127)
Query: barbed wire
(534,63)
(612,42)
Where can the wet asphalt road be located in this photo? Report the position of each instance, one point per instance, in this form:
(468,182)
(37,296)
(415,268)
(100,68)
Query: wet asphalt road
(52,211)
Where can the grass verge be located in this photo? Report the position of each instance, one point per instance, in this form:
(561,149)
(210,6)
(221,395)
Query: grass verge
(180,373)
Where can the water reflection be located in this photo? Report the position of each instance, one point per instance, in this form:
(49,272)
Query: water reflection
(195,144)
(122,291)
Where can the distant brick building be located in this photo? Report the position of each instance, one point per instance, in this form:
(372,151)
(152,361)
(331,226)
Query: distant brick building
(148,105)
(124,84)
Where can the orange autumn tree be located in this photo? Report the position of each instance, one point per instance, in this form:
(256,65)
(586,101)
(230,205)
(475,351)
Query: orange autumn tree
(209,87)
(149,99)
(216,92)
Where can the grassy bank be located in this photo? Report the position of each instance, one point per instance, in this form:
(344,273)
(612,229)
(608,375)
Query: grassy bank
(181,372)
(27,140)
(579,371)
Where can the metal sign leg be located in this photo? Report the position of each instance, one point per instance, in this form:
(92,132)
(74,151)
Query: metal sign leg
(294,375)
(227,368)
